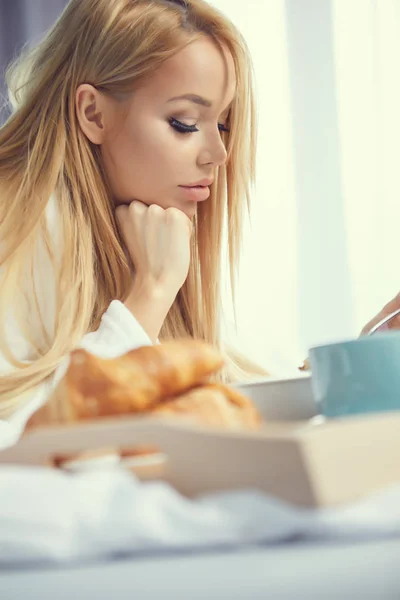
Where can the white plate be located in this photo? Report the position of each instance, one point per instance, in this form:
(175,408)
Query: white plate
(282,399)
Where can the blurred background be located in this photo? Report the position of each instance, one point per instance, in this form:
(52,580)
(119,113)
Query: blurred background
(320,250)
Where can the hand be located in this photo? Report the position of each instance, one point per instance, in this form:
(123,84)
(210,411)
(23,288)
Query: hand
(158,242)
(386,310)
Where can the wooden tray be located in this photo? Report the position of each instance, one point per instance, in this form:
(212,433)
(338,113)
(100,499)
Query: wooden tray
(308,465)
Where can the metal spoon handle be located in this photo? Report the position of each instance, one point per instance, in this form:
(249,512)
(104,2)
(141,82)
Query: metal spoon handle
(384,321)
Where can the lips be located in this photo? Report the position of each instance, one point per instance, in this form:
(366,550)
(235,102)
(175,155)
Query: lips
(202,183)
(196,193)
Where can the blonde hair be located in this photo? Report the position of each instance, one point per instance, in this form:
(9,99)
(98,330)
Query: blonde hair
(111,44)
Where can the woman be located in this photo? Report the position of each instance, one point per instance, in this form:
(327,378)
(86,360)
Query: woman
(132,141)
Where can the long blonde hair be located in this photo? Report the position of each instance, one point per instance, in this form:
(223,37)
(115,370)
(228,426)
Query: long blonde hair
(111,44)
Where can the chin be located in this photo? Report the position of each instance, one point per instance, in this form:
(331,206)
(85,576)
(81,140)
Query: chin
(190,212)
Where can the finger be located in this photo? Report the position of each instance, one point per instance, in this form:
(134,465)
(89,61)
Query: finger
(126,220)
(180,217)
(392,305)
(139,203)
(121,214)
(137,208)
(394,323)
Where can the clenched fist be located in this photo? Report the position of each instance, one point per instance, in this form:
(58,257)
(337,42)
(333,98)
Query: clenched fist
(158,243)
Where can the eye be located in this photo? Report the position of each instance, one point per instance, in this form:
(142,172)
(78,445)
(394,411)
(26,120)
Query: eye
(182,127)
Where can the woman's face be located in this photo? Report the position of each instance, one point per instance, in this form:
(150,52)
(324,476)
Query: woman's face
(168,134)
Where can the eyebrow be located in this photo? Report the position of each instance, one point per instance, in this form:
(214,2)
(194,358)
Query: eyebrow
(193,98)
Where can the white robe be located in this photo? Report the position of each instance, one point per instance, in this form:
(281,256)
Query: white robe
(118,333)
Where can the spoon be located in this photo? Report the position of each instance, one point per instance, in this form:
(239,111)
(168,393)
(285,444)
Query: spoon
(383,321)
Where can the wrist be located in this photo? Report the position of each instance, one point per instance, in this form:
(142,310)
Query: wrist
(148,292)
(149,305)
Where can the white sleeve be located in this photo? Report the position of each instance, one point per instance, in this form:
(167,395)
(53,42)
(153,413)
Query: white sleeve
(118,333)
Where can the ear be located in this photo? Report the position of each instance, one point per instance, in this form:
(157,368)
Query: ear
(90,110)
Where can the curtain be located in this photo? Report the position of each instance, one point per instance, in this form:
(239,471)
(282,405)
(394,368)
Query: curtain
(321,256)
(267,296)
(366,36)
(22,22)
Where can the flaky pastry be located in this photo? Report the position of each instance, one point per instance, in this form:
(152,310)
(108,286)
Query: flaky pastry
(167,379)
(214,405)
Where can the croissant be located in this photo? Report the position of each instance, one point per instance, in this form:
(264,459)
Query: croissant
(213,405)
(95,387)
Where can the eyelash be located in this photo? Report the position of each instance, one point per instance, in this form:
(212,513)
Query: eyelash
(182,128)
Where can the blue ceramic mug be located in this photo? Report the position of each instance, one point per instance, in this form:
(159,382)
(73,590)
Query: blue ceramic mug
(357,376)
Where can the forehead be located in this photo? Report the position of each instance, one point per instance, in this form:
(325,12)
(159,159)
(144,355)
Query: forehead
(201,68)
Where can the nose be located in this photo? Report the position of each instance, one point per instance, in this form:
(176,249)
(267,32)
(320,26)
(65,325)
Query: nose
(214,151)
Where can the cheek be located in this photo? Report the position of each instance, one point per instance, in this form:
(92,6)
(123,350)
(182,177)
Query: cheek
(146,161)
(155,153)
(144,150)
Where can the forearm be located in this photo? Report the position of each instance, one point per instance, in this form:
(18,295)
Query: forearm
(149,306)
